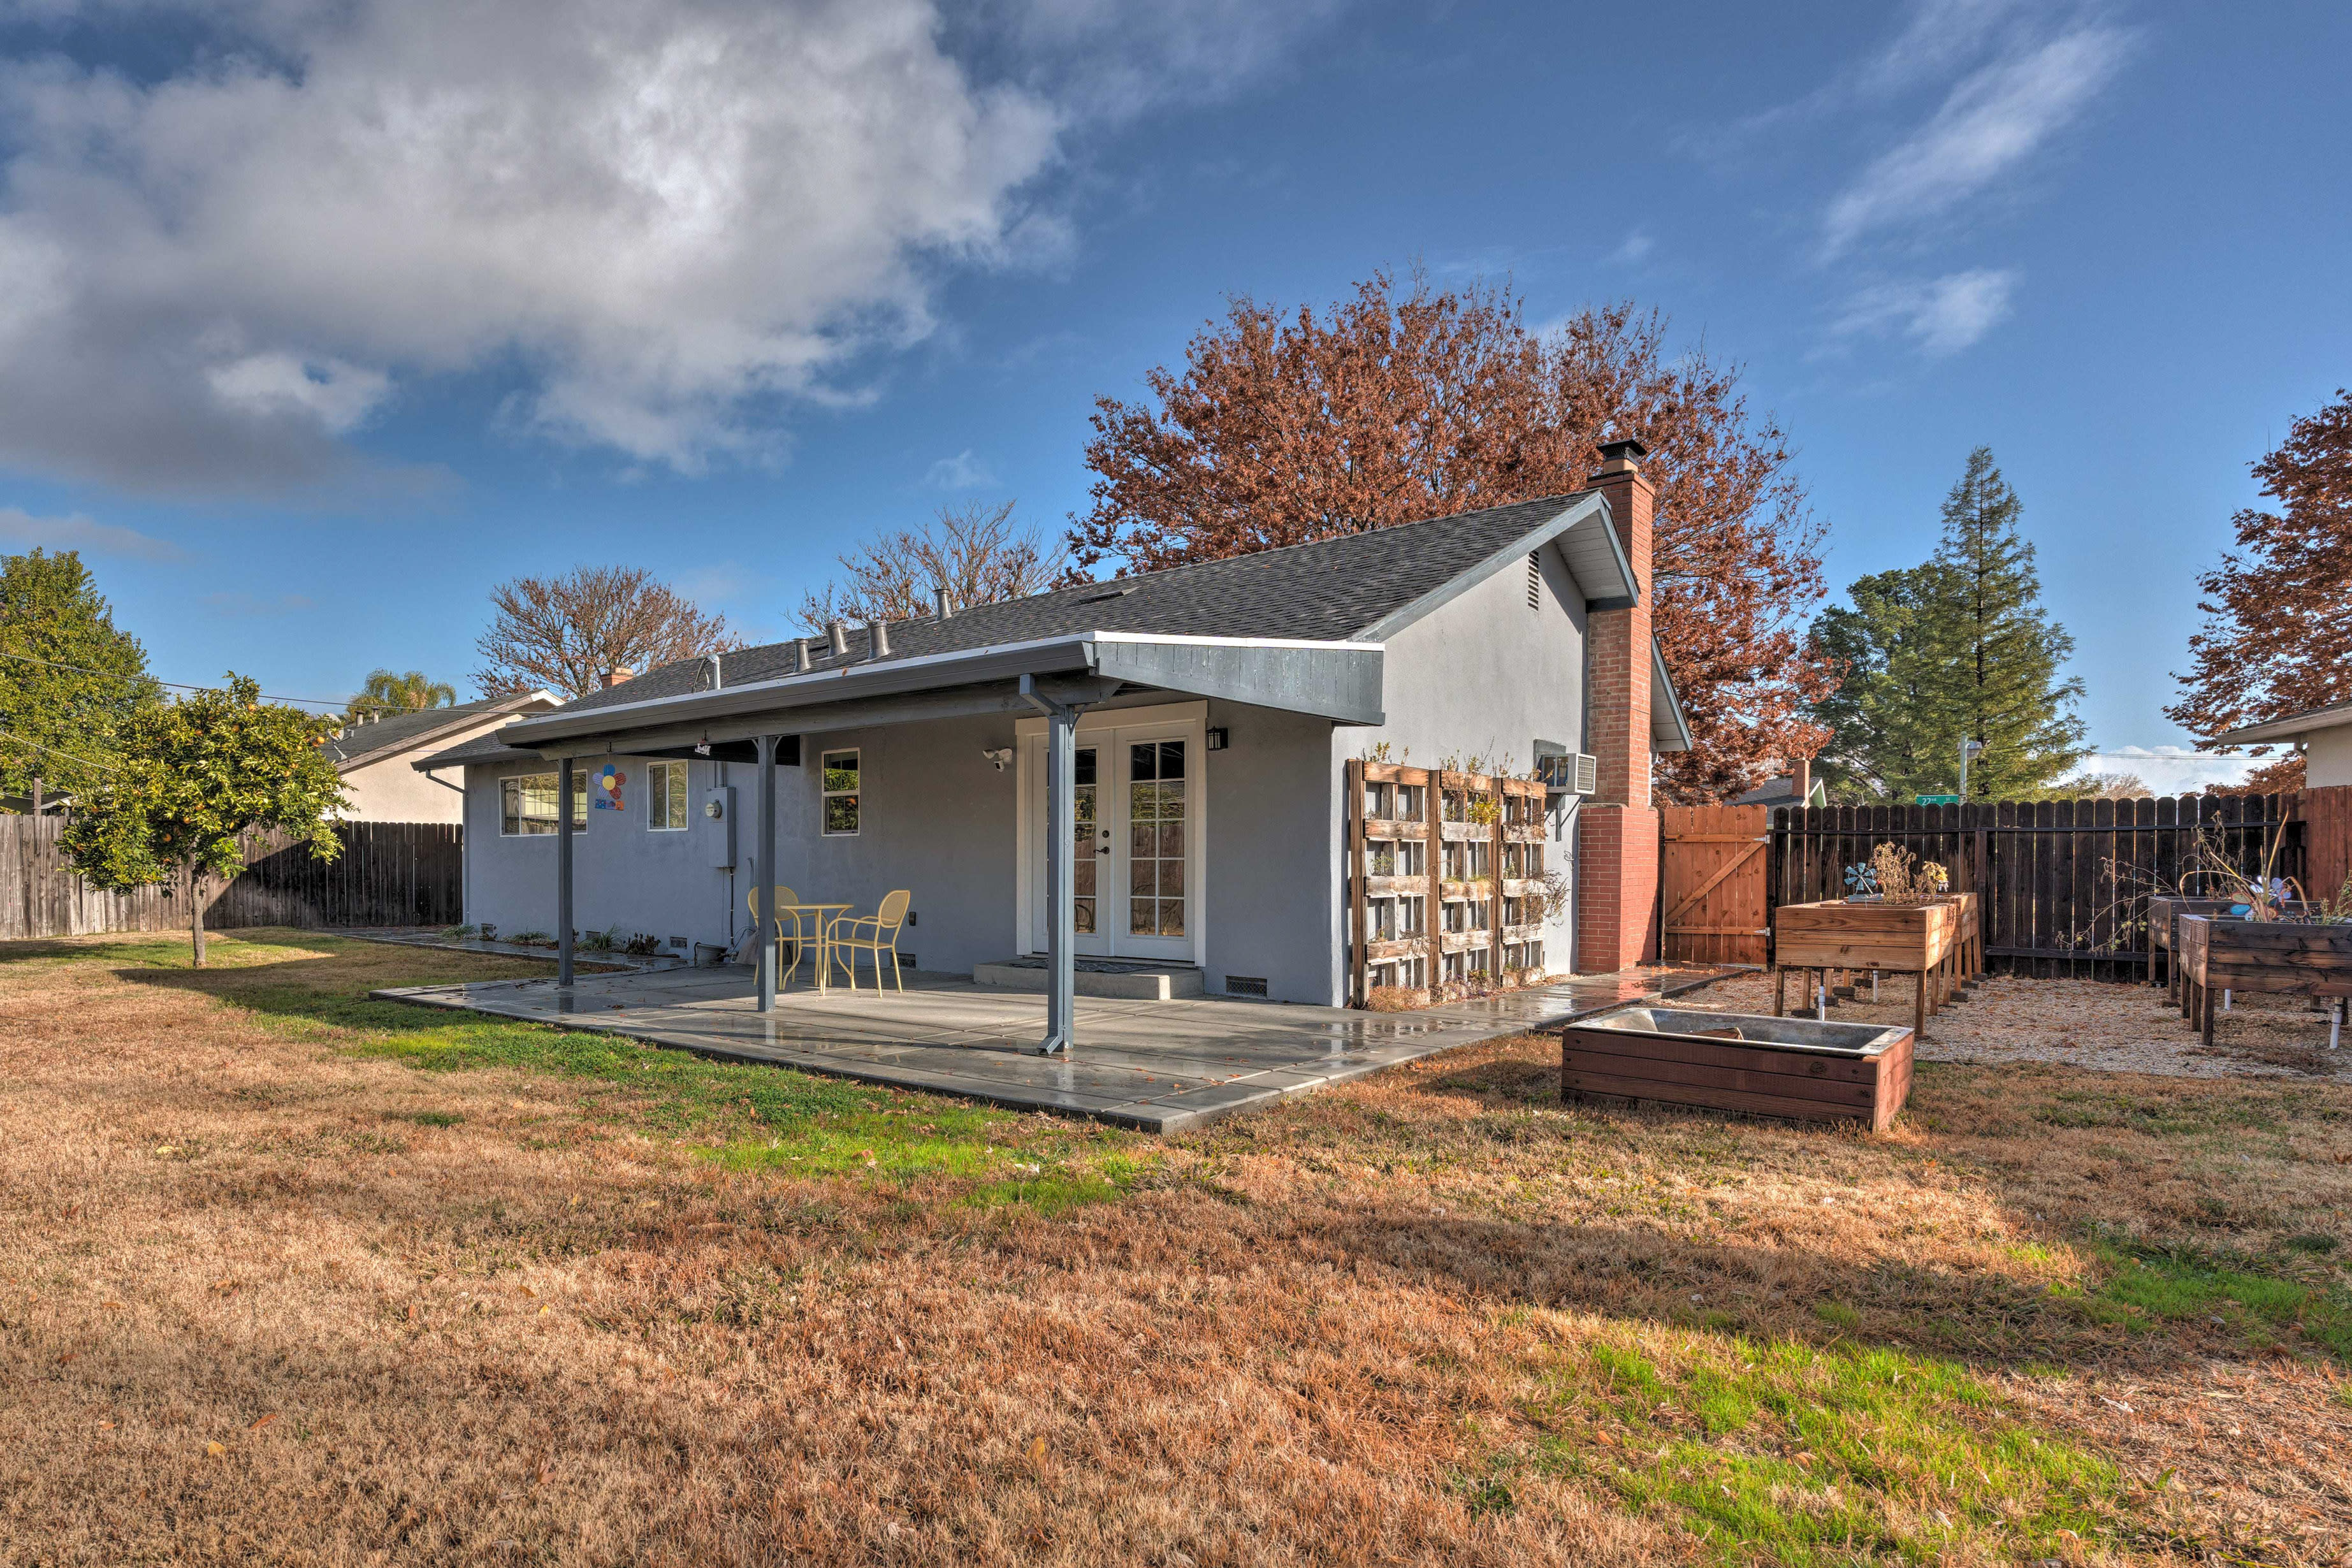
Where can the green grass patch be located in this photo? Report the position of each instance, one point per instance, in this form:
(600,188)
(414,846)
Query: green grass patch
(1798,1454)
(742,1116)
(2253,1297)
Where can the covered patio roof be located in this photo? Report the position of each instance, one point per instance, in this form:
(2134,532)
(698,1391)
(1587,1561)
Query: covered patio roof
(1340,681)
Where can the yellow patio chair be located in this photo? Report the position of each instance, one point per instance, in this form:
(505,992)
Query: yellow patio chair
(787,909)
(877,933)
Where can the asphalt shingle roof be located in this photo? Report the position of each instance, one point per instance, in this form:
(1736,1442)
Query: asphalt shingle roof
(1330,591)
(397,732)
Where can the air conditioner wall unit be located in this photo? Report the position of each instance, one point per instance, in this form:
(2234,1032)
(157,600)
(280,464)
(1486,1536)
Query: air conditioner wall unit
(1564,772)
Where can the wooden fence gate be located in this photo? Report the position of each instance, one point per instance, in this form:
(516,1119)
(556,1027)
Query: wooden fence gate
(1712,883)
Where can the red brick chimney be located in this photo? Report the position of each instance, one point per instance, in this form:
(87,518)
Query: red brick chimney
(617,675)
(1617,831)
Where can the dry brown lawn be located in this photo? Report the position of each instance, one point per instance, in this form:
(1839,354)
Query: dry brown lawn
(289,1277)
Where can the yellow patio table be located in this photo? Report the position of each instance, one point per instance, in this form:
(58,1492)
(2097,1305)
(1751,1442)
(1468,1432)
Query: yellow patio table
(789,906)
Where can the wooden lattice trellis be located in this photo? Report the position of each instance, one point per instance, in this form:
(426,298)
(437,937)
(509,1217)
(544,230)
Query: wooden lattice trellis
(1445,877)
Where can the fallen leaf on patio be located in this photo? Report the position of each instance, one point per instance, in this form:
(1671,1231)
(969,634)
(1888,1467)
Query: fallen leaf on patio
(1037,1449)
(412,1311)
(214,1449)
(111,1306)
(262,1422)
(527,1290)
(69,1355)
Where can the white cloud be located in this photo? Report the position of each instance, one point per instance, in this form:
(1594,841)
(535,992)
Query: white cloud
(1637,244)
(2174,770)
(671,218)
(23,530)
(1942,315)
(962,472)
(1991,122)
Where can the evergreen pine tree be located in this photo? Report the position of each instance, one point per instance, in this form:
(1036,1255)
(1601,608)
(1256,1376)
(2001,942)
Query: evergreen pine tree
(2007,689)
(70,679)
(1957,648)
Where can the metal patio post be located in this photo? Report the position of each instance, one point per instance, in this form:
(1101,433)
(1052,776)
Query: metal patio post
(764,891)
(564,873)
(1061,867)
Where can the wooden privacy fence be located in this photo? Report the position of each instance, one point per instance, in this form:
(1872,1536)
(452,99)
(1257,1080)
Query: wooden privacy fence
(389,874)
(1712,885)
(2064,885)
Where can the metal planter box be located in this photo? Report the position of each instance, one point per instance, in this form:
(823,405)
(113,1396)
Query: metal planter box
(1795,1068)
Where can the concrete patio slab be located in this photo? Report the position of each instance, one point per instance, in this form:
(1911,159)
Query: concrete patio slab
(1160,1066)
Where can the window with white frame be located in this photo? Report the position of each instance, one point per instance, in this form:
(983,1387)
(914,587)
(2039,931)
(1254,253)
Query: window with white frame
(666,797)
(838,772)
(527,804)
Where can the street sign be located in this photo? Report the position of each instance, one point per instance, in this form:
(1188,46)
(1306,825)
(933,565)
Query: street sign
(1938,799)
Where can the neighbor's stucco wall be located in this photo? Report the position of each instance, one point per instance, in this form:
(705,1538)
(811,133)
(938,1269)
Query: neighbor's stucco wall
(2328,759)
(393,791)
(1486,676)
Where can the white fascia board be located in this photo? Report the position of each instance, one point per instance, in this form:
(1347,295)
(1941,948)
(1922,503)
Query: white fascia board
(1669,725)
(1042,656)
(2293,727)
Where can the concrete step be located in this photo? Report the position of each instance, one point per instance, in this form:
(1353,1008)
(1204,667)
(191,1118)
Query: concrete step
(1094,978)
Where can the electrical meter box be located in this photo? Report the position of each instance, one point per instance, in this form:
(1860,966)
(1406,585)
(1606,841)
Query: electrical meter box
(718,811)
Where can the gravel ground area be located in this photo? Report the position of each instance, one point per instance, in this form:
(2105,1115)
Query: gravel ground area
(2116,1027)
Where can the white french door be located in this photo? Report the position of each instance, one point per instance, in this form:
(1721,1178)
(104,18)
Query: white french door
(1137,831)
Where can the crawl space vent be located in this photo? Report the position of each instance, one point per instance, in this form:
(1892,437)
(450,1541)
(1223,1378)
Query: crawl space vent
(1245,984)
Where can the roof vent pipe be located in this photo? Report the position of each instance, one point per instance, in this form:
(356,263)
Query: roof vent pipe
(940,603)
(716,682)
(877,639)
(839,632)
(801,644)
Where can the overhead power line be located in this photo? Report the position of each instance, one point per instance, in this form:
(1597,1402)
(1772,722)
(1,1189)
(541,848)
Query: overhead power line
(183,686)
(52,750)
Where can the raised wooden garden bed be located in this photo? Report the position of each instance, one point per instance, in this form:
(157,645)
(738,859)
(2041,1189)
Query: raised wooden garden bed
(1938,941)
(2164,913)
(2283,957)
(1792,1068)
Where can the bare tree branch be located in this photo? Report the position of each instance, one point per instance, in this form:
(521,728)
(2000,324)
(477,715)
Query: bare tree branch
(976,552)
(568,633)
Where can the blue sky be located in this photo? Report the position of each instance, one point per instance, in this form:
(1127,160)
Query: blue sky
(318,318)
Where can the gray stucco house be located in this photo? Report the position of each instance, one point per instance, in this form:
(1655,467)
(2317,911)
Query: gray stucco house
(1206,715)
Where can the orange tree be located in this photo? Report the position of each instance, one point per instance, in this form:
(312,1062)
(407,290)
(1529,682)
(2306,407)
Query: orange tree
(189,777)
(1403,403)
(2276,639)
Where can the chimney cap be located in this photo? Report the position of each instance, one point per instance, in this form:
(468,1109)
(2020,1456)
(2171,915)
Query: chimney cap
(1627,446)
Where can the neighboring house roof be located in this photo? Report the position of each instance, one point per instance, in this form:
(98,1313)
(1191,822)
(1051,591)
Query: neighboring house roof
(1361,587)
(1781,791)
(480,749)
(360,745)
(2293,727)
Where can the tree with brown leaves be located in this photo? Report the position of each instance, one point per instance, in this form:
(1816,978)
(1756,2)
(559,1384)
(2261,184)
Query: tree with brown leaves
(568,634)
(977,552)
(2276,640)
(1401,404)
